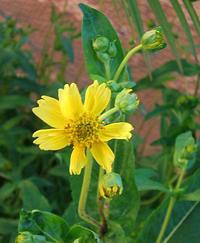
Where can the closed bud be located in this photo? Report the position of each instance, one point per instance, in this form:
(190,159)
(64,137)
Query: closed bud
(126,101)
(24,237)
(110,185)
(101,44)
(103,57)
(153,40)
(112,50)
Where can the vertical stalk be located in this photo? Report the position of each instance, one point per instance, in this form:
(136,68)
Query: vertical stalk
(84,193)
(170,206)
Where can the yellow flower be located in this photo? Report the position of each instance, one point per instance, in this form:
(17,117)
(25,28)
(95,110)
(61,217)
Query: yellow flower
(80,125)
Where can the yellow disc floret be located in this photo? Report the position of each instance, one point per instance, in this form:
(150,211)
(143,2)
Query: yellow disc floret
(84,130)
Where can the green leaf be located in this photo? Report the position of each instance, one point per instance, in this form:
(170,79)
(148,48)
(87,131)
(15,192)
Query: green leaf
(7,226)
(187,230)
(132,7)
(32,197)
(116,233)
(182,141)
(193,196)
(68,48)
(82,234)
(162,74)
(122,212)
(6,190)
(193,15)
(152,224)
(27,237)
(185,25)
(96,24)
(160,15)
(44,223)
(144,182)
(135,14)
(13,101)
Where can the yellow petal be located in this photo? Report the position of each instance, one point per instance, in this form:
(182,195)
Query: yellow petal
(49,112)
(120,130)
(103,155)
(97,98)
(51,139)
(78,160)
(70,101)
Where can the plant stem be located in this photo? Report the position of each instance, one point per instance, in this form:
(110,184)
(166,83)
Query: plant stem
(84,193)
(166,219)
(101,173)
(125,60)
(197,86)
(108,113)
(107,70)
(170,207)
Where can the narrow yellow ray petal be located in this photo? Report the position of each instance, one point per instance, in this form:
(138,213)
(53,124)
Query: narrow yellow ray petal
(49,112)
(97,98)
(103,155)
(120,130)
(70,101)
(78,160)
(51,139)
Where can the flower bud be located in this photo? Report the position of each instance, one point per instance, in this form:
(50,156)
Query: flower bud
(153,40)
(101,44)
(112,50)
(110,185)
(103,57)
(24,237)
(126,101)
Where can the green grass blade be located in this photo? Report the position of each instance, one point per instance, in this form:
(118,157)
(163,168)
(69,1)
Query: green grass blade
(134,16)
(193,15)
(185,26)
(162,19)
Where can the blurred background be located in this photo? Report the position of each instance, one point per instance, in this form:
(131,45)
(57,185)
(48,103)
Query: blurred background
(40,50)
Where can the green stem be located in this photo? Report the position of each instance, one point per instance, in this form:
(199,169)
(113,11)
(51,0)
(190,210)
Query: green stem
(107,69)
(152,199)
(84,193)
(197,86)
(101,173)
(170,207)
(125,60)
(108,113)
(166,219)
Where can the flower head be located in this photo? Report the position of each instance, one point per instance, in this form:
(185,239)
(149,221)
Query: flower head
(110,185)
(77,124)
(153,40)
(127,101)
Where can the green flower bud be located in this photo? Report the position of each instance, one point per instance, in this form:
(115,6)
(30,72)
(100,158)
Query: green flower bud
(23,237)
(103,57)
(112,50)
(126,101)
(153,40)
(110,185)
(101,44)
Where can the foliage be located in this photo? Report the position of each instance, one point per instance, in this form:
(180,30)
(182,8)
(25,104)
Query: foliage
(161,192)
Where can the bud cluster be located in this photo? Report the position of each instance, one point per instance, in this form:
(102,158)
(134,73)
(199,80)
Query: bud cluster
(104,48)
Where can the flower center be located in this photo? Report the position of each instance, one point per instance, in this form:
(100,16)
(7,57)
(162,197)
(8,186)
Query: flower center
(84,130)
